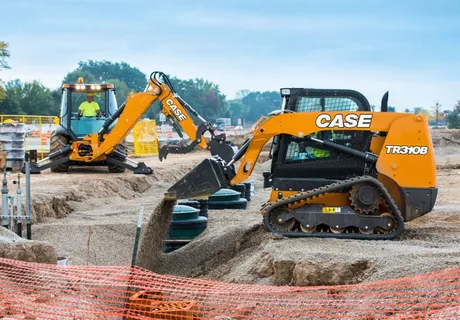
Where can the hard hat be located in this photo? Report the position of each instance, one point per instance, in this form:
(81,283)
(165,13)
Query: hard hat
(90,94)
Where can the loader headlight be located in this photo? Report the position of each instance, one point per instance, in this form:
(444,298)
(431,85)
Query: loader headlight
(285,91)
(93,87)
(98,87)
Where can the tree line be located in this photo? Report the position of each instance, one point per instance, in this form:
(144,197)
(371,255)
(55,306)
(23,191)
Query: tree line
(33,98)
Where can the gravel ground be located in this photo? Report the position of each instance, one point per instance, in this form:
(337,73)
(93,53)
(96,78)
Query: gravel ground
(87,205)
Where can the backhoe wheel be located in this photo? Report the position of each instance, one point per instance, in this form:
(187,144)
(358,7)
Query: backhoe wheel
(58,142)
(114,168)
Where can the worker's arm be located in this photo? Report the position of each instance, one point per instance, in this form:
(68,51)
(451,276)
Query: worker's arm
(80,110)
(98,110)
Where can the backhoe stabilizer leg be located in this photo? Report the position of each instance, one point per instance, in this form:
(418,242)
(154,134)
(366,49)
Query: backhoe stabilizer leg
(135,167)
(36,167)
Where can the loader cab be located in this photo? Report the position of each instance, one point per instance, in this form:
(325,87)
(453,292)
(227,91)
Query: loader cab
(75,94)
(296,159)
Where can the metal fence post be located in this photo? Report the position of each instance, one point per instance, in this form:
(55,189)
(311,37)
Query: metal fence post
(4,201)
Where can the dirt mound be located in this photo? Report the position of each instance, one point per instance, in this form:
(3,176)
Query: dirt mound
(14,247)
(231,251)
(445,138)
(59,201)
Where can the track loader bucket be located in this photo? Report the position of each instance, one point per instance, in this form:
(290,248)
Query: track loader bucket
(207,178)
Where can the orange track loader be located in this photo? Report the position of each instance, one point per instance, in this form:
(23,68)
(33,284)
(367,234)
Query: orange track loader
(338,169)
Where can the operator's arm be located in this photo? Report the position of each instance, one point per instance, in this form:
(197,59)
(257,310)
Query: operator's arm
(80,110)
(98,110)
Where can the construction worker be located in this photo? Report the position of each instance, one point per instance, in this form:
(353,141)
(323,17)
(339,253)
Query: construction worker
(323,153)
(89,108)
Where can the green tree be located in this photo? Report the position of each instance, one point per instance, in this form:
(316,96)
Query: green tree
(106,70)
(242,93)
(391,109)
(121,89)
(260,104)
(407,110)
(4,53)
(29,98)
(453,118)
(72,77)
(202,95)
(420,110)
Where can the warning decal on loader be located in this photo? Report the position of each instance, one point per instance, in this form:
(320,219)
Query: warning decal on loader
(406,150)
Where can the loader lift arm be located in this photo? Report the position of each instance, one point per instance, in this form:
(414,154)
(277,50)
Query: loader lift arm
(282,212)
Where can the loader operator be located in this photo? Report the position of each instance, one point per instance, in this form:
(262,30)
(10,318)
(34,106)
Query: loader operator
(323,153)
(89,108)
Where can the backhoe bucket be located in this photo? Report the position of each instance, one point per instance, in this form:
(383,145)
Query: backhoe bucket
(204,180)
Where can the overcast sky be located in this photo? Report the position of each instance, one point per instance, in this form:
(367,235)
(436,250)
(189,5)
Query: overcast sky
(409,47)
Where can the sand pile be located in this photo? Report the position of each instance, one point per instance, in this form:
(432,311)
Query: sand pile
(150,255)
(14,247)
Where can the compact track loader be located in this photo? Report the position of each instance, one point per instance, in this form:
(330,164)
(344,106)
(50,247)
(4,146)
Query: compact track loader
(338,169)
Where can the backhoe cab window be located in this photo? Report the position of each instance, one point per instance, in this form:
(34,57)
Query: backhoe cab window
(79,97)
(302,149)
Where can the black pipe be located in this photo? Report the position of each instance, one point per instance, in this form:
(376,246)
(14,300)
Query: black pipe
(188,107)
(108,122)
(367,156)
(29,230)
(19,226)
(63,151)
(241,152)
(176,127)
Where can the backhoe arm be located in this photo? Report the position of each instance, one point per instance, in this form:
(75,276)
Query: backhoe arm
(405,130)
(179,112)
(137,104)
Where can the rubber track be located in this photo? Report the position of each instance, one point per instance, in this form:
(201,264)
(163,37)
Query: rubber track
(329,189)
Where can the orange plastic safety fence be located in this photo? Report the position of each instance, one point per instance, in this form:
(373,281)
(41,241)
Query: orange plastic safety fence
(39,291)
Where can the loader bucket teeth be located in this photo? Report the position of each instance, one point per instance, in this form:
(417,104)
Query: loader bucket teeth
(204,180)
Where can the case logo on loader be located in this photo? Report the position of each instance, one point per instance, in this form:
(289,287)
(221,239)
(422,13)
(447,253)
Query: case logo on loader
(406,150)
(176,110)
(341,121)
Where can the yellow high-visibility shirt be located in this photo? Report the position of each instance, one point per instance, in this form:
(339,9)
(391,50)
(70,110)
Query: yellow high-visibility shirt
(89,108)
(322,153)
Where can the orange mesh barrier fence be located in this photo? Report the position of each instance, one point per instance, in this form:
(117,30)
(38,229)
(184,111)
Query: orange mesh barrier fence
(39,291)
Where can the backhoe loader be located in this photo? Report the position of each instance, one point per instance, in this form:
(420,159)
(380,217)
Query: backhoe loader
(100,141)
(338,168)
